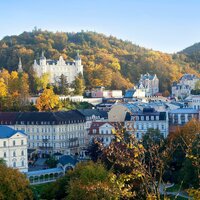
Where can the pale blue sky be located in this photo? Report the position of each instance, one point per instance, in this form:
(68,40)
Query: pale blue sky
(165,25)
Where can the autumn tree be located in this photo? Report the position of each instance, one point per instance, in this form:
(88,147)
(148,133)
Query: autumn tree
(13,184)
(88,181)
(48,101)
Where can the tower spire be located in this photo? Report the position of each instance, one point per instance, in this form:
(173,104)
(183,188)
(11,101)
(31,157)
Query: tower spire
(20,69)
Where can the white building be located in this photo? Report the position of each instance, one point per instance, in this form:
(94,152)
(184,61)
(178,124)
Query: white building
(141,121)
(50,132)
(193,101)
(182,115)
(102,131)
(13,148)
(183,87)
(150,83)
(56,68)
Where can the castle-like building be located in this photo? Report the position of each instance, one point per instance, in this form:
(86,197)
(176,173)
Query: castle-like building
(183,88)
(56,68)
(149,83)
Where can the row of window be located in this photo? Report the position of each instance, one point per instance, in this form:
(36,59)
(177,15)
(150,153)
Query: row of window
(46,130)
(60,137)
(147,126)
(14,154)
(43,122)
(144,118)
(13,143)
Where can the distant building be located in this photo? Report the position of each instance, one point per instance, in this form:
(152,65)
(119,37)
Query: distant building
(149,83)
(182,115)
(56,68)
(183,87)
(193,101)
(102,131)
(100,92)
(13,148)
(145,119)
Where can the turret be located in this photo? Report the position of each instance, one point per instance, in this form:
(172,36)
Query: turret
(78,59)
(20,69)
(43,59)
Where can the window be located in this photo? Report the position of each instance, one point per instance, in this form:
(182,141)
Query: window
(94,131)
(163,127)
(13,142)
(14,164)
(22,142)
(152,117)
(22,163)
(142,118)
(147,118)
(4,154)
(4,143)
(22,153)
(14,154)
(157,117)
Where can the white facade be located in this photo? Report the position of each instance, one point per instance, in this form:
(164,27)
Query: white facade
(50,132)
(142,121)
(56,68)
(102,131)
(13,149)
(150,83)
(193,101)
(183,88)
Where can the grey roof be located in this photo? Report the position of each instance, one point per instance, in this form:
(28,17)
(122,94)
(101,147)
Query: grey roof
(7,132)
(184,110)
(147,76)
(188,77)
(72,116)
(67,160)
(90,112)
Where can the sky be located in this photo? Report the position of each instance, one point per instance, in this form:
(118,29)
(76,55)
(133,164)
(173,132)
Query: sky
(164,25)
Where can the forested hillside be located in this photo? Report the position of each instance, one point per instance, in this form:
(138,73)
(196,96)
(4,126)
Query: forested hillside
(107,61)
(192,55)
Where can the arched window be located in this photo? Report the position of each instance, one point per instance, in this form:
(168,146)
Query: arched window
(13,142)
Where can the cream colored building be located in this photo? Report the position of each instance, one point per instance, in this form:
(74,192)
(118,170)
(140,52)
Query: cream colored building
(56,68)
(13,148)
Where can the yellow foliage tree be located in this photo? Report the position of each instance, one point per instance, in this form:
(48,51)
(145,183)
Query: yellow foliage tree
(3,88)
(48,101)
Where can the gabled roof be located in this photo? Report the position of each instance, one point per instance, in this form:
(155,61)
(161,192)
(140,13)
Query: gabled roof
(7,132)
(97,125)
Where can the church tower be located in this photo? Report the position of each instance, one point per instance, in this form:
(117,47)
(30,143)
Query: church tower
(20,69)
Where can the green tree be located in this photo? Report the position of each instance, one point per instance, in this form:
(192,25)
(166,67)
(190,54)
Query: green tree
(92,181)
(79,85)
